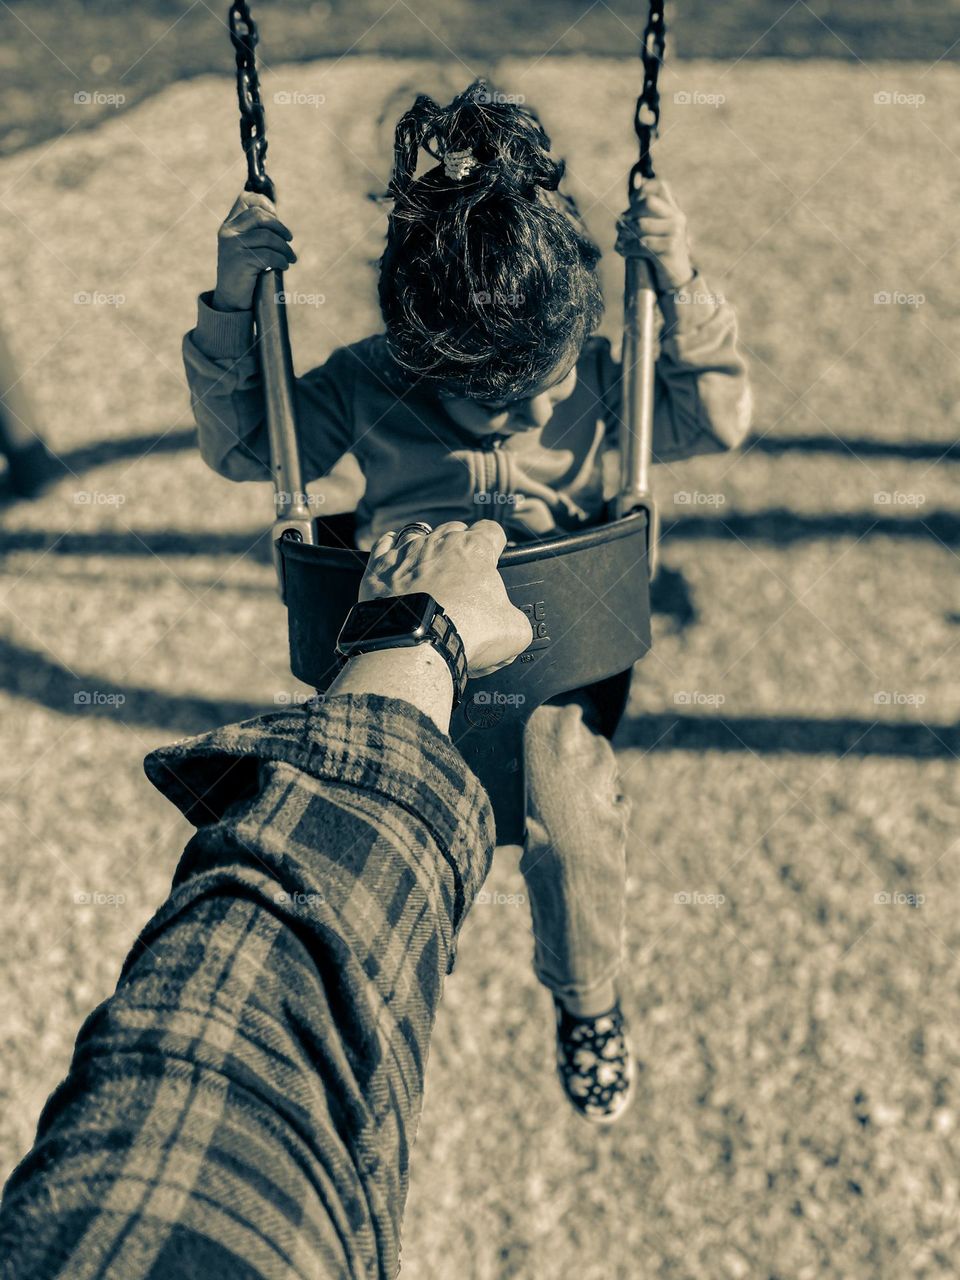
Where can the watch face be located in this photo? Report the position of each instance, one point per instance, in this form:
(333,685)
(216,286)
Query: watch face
(375,624)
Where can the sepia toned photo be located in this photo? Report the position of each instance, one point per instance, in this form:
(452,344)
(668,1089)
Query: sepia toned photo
(479,634)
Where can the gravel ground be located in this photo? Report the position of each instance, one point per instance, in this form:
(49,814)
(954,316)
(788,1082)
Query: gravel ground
(793,965)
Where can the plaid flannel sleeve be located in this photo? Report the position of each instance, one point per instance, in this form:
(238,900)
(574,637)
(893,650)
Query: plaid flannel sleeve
(245,1103)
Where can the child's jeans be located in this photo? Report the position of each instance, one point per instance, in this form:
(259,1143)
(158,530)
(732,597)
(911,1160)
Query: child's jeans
(574,858)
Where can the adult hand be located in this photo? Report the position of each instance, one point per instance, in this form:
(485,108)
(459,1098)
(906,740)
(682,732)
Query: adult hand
(251,239)
(458,567)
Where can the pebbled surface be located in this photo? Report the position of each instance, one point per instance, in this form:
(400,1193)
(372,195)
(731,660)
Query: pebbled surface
(798,1033)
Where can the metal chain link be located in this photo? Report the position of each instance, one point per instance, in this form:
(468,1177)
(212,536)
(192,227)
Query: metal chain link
(253,124)
(646,120)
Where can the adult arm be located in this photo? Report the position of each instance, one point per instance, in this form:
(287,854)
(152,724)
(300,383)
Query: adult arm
(245,1103)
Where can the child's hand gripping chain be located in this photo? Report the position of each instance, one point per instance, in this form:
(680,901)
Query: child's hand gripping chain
(251,239)
(655,228)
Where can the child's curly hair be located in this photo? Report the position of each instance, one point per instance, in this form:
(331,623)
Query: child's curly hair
(488,284)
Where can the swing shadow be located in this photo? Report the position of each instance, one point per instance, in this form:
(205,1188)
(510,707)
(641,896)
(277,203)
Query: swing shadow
(104,452)
(148,542)
(857,447)
(72,463)
(776,526)
(789,735)
(781,527)
(31,675)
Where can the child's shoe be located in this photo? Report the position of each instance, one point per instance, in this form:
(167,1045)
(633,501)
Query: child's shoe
(595,1063)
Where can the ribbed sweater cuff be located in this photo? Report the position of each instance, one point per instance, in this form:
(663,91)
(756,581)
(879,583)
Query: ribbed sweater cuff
(222,334)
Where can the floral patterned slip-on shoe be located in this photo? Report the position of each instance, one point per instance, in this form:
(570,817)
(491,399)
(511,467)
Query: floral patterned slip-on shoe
(595,1063)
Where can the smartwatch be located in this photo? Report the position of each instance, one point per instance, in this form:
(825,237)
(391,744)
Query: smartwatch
(401,622)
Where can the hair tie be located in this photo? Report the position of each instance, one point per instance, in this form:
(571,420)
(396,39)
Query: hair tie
(457,165)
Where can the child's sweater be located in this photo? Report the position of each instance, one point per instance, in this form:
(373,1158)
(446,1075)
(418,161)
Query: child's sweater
(418,464)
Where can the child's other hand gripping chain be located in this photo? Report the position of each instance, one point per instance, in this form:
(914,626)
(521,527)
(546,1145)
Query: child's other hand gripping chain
(251,240)
(655,228)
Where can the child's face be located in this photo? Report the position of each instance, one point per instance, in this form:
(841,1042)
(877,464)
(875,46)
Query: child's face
(511,417)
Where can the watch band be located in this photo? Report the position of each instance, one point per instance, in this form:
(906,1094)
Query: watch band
(441,634)
(445,638)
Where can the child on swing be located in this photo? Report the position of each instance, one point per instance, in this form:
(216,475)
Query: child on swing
(489,396)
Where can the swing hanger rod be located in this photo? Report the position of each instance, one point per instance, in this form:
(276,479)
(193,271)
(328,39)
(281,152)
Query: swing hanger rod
(292,518)
(639,309)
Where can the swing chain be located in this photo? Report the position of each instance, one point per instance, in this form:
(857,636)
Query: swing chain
(646,120)
(253,124)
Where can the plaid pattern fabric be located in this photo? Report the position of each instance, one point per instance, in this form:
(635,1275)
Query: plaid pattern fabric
(244,1104)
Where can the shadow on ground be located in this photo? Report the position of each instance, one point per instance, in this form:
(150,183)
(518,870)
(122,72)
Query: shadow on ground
(28,674)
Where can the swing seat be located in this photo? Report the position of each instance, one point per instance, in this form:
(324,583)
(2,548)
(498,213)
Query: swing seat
(587,596)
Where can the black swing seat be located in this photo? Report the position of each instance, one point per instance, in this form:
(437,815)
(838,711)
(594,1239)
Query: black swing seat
(588,600)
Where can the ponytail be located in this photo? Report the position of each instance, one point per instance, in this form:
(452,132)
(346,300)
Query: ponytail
(415,129)
(507,141)
(488,279)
